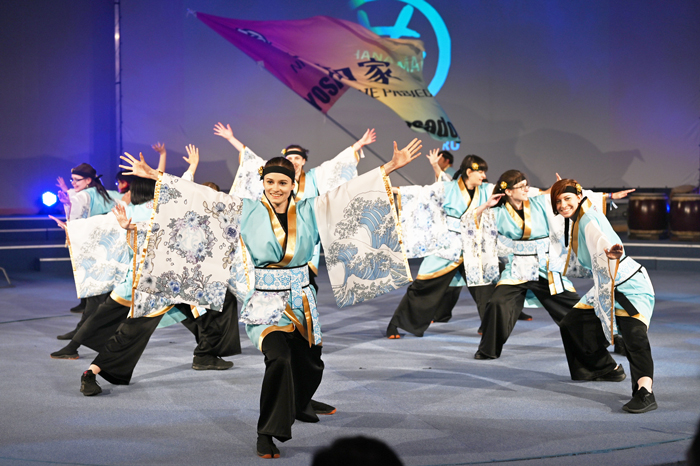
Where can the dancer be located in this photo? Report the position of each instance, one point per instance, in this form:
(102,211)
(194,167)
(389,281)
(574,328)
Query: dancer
(87,198)
(435,292)
(279,234)
(319,180)
(588,329)
(522,221)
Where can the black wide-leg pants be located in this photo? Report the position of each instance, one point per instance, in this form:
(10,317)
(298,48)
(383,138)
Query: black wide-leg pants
(101,325)
(505,306)
(431,300)
(293,372)
(216,332)
(586,346)
(123,350)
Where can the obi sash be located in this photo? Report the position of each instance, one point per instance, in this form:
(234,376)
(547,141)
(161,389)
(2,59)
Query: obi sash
(280,291)
(529,257)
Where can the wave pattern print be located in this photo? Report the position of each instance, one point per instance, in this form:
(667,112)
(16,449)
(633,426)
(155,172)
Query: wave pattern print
(366,246)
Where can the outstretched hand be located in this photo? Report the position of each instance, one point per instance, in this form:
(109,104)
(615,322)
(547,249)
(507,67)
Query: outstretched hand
(120,212)
(193,155)
(137,167)
(61,184)
(404,156)
(621,194)
(60,223)
(160,148)
(223,131)
(368,138)
(615,251)
(63,198)
(433,156)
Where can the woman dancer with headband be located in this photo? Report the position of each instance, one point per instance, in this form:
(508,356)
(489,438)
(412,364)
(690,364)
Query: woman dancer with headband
(522,220)
(279,235)
(588,329)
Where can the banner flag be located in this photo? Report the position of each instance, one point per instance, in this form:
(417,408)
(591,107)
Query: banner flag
(320,58)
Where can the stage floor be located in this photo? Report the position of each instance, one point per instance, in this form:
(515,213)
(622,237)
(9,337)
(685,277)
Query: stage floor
(426,397)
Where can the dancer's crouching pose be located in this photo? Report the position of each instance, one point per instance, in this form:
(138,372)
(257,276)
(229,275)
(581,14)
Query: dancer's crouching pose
(589,328)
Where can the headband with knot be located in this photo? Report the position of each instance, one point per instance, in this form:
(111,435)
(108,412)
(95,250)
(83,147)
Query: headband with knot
(293,151)
(573,189)
(504,185)
(276,169)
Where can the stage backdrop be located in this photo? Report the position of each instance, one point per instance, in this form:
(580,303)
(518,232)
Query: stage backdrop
(604,91)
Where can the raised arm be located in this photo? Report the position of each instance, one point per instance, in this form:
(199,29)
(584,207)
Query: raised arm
(404,156)
(124,222)
(493,200)
(433,157)
(137,167)
(226,133)
(160,148)
(368,138)
(192,159)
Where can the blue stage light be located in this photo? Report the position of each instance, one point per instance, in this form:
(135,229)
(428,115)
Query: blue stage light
(48,198)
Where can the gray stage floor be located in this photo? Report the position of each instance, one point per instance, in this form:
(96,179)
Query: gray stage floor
(426,397)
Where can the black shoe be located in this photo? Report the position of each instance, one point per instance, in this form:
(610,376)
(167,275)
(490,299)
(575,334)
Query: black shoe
(65,353)
(322,408)
(392,332)
(615,375)
(67,336)
(88,384)
(480,355)
(78,309)
(265,447)
(641,402)
(524,316)
(210,363)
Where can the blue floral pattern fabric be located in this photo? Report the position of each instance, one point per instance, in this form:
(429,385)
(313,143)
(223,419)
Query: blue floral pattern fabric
(189,257)
(246,184)
(480,249)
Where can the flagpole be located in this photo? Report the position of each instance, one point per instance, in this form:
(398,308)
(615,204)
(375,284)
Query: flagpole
(366,147)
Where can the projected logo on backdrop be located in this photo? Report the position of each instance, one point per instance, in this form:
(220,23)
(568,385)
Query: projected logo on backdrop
(401,29)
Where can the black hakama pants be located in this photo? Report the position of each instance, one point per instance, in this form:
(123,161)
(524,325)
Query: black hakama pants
(505,306)
(216,332)
(586,345)
(101,325)
(293,372)
(431,300)
(123,350)
(91,305)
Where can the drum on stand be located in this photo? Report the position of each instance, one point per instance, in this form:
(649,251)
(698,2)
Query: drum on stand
(647,216)
(685,217)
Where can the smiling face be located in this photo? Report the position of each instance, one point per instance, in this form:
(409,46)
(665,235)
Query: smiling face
(474,178)
(298,161)
(79,183)
(278,188)
(567,203)
(519,192)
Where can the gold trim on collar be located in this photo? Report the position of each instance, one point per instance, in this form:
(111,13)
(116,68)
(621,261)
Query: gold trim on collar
(302,184)
(288,241)
(519,222)
(573,242)
(465,192)
(528,219)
